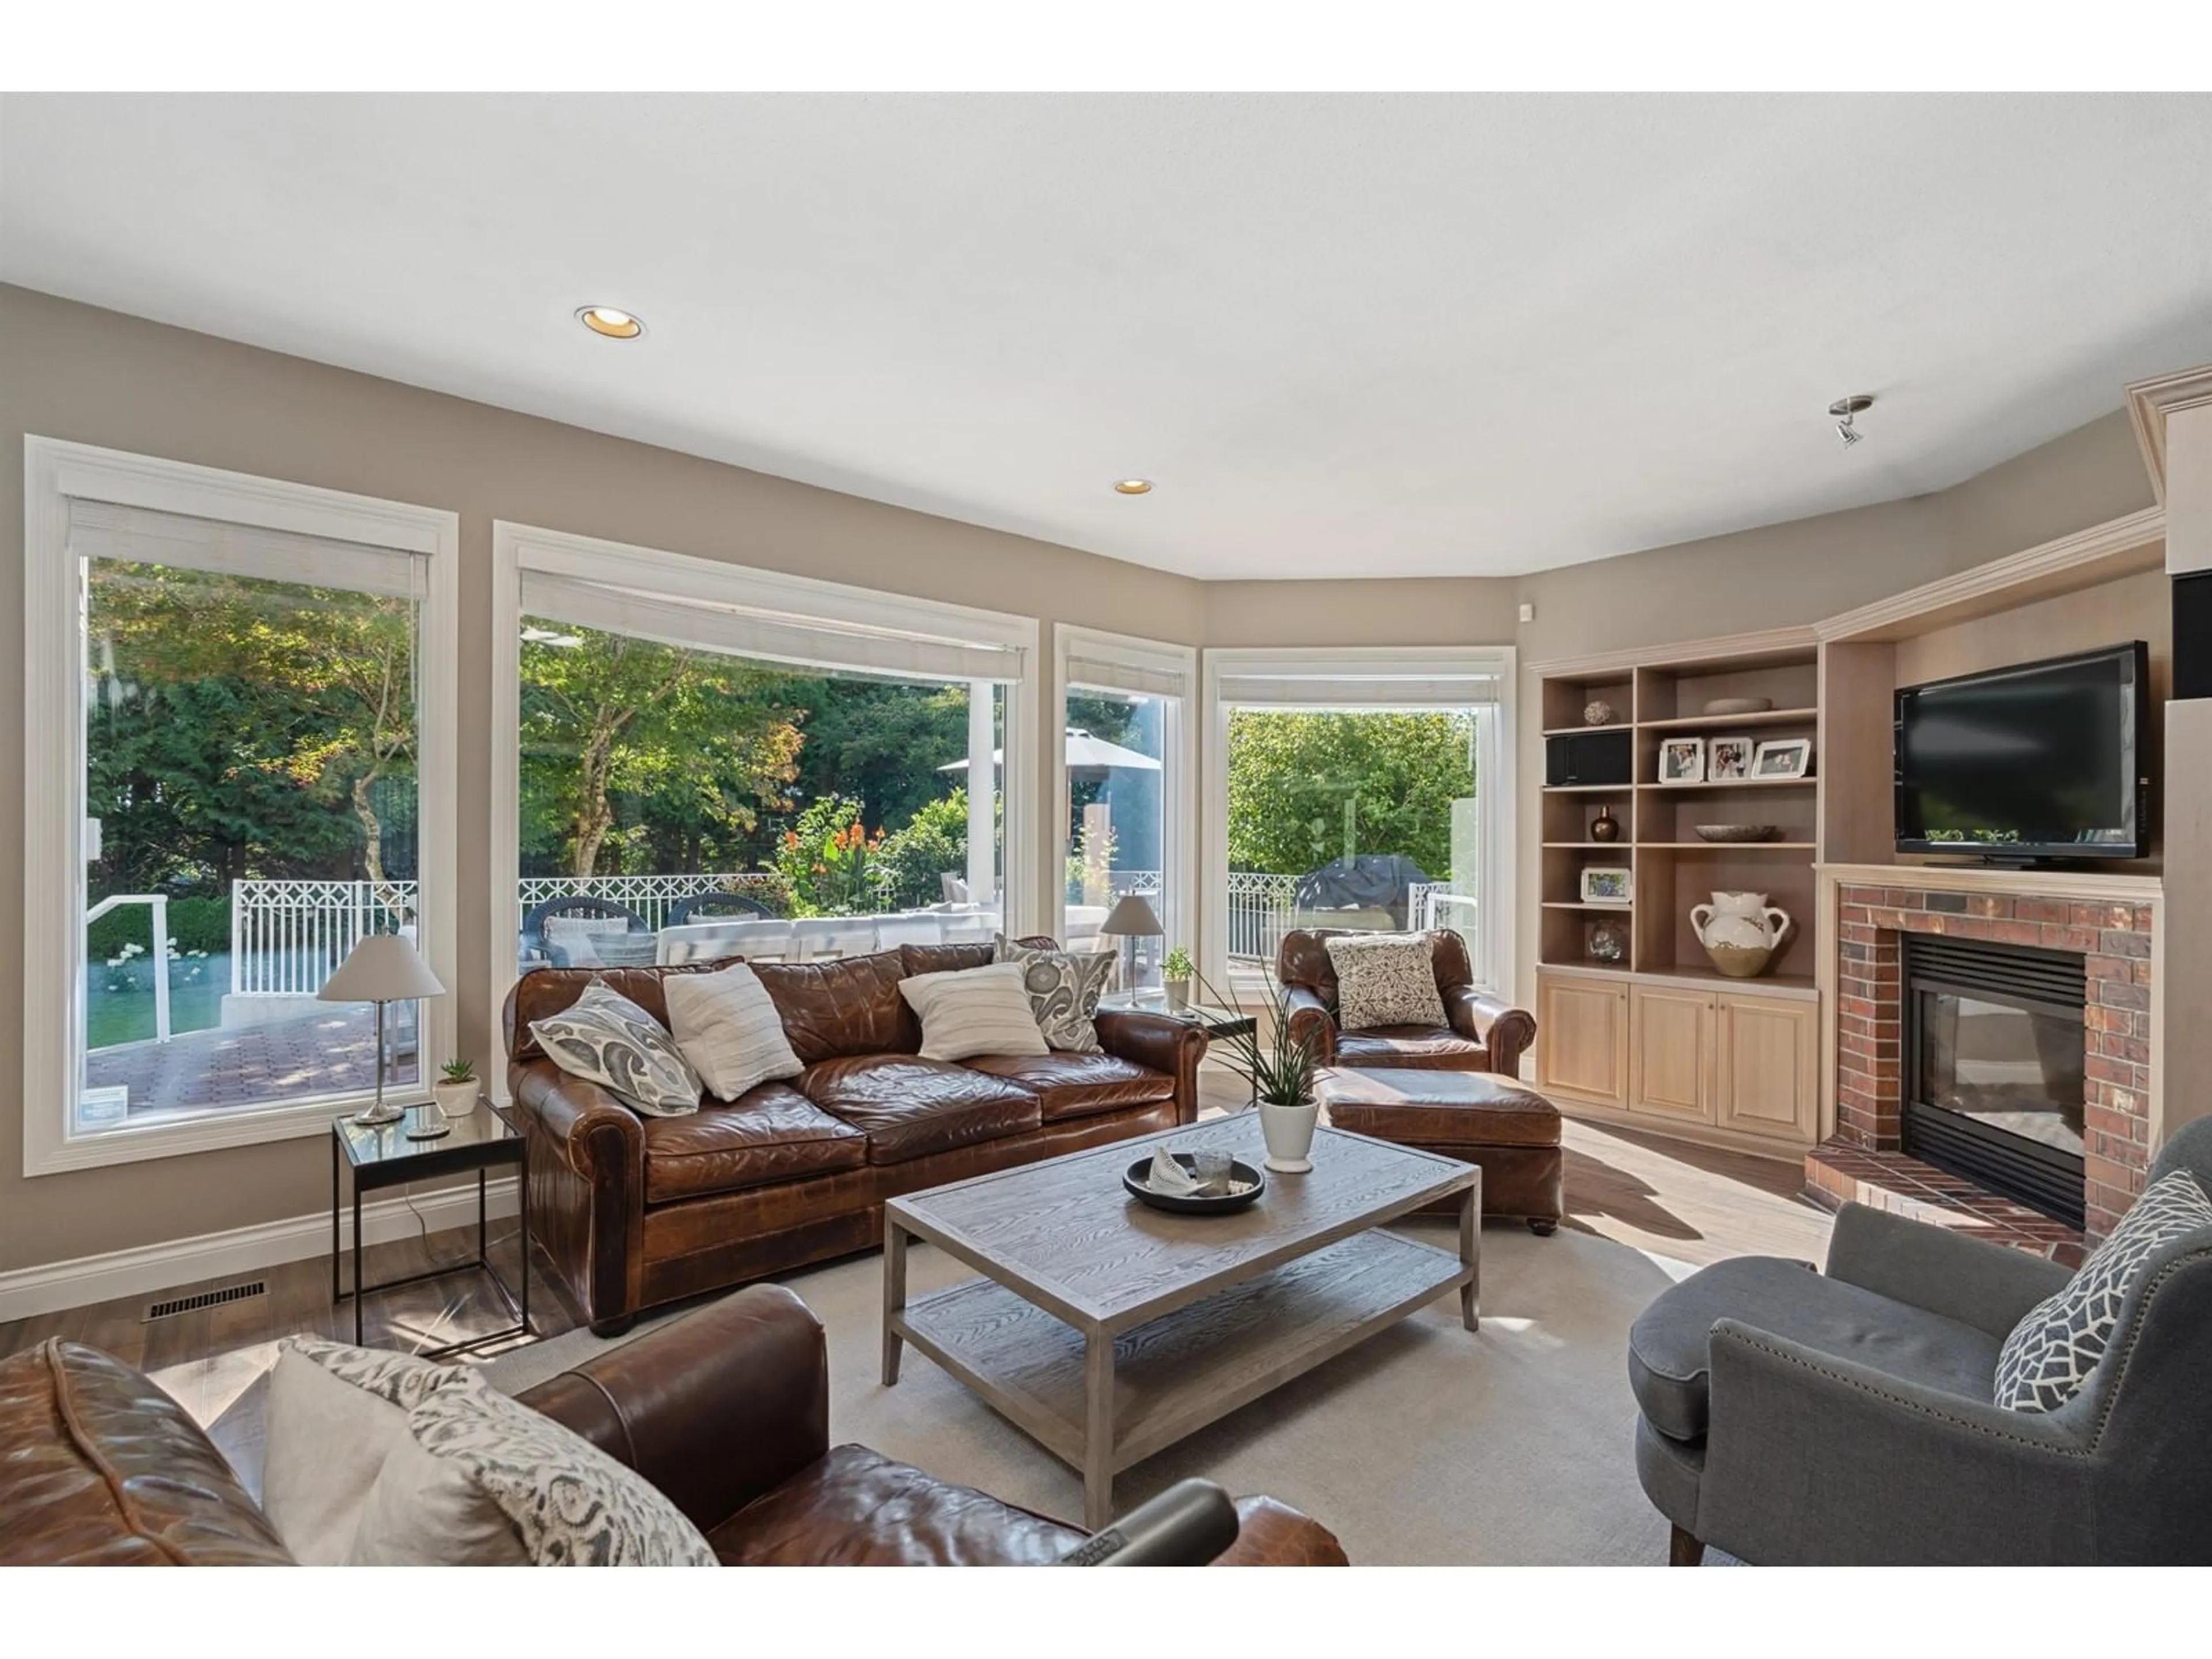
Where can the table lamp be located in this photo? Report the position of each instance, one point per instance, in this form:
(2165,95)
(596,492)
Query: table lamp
(385,968)
(1131,918)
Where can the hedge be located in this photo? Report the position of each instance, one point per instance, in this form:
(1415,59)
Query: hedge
(196,924)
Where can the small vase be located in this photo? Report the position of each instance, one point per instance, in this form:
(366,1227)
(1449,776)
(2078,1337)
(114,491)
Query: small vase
(1604,827)
(1178,995)
(1288,1132)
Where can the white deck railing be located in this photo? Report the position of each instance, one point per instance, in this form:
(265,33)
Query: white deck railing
(159,903)
(651,896)
(286,938)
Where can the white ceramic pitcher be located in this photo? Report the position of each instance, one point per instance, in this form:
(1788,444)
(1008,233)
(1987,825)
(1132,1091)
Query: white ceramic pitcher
(1741,932)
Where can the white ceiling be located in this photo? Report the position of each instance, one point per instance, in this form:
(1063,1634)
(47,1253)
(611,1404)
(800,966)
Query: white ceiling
(1347,335)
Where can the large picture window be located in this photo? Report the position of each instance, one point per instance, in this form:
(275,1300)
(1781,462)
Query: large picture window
(711,762)
(255,789)
(1365,790)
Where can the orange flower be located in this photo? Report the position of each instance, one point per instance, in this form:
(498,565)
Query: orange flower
(791,839)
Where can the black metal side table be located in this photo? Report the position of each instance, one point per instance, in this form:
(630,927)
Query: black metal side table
(382,1156)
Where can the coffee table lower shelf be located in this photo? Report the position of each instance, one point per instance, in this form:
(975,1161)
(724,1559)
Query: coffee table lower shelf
(1177,1373)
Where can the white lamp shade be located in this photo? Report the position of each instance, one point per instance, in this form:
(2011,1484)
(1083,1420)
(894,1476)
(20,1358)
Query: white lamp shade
(382,968)
(1131,916)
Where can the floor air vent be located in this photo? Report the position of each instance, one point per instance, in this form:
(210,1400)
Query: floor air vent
(185,1304)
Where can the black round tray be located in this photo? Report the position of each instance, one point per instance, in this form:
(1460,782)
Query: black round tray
(1133,1179)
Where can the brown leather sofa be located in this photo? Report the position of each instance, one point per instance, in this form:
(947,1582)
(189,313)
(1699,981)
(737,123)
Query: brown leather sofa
(1485,1033)
(634,1210)
(726,1411)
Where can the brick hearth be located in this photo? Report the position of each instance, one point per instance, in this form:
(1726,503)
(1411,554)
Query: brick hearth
(2114,941)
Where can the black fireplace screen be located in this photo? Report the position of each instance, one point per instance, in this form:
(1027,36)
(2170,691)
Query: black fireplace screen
(1994,1085)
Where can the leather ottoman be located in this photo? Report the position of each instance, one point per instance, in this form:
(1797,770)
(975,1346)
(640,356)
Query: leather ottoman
(1511,1133)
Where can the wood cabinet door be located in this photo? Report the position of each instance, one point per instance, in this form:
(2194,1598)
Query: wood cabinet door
(1768,1046)
(1582,1038)
(1670,1035)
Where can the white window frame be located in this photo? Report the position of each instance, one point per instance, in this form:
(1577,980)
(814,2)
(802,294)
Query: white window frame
(516,547)
(1178,760)
(56,473)
(1352,671)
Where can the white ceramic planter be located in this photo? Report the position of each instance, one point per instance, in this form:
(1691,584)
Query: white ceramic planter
(1288,1132)
(456,1099)
(1178,995)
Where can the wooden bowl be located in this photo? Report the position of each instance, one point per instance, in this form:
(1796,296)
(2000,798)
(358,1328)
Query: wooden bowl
(1735,832)
(1738,706)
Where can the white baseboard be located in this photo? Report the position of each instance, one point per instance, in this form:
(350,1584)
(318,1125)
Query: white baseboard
(28,1292)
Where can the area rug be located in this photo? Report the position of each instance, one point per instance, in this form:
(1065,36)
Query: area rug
(1426,1445)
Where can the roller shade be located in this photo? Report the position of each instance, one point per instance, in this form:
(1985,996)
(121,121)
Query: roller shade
(764,635)
(1149,679)
(139,535)
(1380,689)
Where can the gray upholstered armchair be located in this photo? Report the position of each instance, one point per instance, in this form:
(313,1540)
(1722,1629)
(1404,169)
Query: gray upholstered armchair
(1794,1417)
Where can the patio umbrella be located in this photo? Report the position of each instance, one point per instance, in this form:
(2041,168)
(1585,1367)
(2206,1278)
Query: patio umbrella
(1087,754)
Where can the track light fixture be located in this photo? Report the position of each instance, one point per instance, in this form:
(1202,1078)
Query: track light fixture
(1845,408)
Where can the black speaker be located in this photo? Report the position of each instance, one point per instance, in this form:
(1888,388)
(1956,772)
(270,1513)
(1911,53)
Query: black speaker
(1606,755)
(2192,635)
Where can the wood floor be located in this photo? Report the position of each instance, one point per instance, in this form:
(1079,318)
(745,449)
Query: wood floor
(1692,1203)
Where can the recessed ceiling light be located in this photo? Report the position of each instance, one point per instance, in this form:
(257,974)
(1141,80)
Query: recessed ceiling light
(1133,486)
(605,319)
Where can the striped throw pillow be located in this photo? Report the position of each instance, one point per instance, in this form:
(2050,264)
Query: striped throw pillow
(729,1029)
(975,1011)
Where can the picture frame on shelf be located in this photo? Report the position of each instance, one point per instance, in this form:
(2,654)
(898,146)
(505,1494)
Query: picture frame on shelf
(1607,883)
(1782,757)
(1682,760)
(1729,759)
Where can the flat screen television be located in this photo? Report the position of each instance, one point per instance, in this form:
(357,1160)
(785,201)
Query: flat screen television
(2042,761)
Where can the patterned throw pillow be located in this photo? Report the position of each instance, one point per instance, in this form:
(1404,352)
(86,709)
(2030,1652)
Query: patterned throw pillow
(729,1029)
(974,1011)
(1385,979)
(568,1502)
(605,1038)
(1064,988)
(2051,1352)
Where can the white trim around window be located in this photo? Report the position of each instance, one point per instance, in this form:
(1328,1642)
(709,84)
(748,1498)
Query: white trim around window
(1370,678)
(1084,657)
(56,474)
(743,610)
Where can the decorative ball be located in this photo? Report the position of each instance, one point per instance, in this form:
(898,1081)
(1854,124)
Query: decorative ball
(1598,712)
(1608,942)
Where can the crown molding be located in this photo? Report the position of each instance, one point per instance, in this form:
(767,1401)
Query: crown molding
(2149,403)
(2117,547)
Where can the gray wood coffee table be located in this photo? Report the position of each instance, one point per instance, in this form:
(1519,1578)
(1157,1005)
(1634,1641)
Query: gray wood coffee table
(1108,1330)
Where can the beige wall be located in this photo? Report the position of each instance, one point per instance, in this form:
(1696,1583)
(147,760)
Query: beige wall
(72,371)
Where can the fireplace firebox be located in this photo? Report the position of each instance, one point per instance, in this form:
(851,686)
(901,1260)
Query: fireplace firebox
(1994,1068)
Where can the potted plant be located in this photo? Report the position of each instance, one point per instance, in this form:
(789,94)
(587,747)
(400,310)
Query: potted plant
(456,1091)
(1282,1072)
(1176,970)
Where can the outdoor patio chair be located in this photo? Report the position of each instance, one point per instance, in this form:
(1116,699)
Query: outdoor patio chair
(618,922)
(701,906)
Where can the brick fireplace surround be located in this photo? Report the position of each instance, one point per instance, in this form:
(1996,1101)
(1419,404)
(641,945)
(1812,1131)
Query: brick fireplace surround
(2116,941)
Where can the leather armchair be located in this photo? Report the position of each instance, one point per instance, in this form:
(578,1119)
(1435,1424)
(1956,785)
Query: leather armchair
(1483,1033)
(725,1410)
(1847,1418)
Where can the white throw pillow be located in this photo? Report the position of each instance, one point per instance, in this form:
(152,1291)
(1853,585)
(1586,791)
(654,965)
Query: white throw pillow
(1385,979)
(975,1011)
(605,1038)
(335,1415)
(729,1029)
(486,1481)
(2051,1352)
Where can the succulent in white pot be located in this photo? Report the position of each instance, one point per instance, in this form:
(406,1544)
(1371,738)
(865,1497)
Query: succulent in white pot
(1282,1072)
(457,1088)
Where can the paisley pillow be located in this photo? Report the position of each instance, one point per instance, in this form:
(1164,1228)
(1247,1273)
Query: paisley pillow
(605,1038)
(1385,979)
(1064,988)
